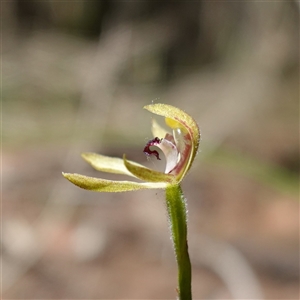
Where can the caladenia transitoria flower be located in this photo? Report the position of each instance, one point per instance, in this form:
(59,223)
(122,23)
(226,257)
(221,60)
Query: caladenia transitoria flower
(180,147)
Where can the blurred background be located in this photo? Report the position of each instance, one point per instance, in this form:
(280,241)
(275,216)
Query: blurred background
(75,76)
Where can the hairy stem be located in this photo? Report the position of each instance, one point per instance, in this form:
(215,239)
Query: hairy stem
(177,212)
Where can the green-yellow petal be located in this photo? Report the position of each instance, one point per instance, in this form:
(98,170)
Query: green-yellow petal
(146,174)
(103,185)
(108,164)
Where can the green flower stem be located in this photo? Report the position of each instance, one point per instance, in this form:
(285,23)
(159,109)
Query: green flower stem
(177,212)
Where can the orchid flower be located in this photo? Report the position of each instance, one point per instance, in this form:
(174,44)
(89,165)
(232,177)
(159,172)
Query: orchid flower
(180,147)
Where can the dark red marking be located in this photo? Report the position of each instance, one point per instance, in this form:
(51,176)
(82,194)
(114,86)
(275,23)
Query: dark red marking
(147,149)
